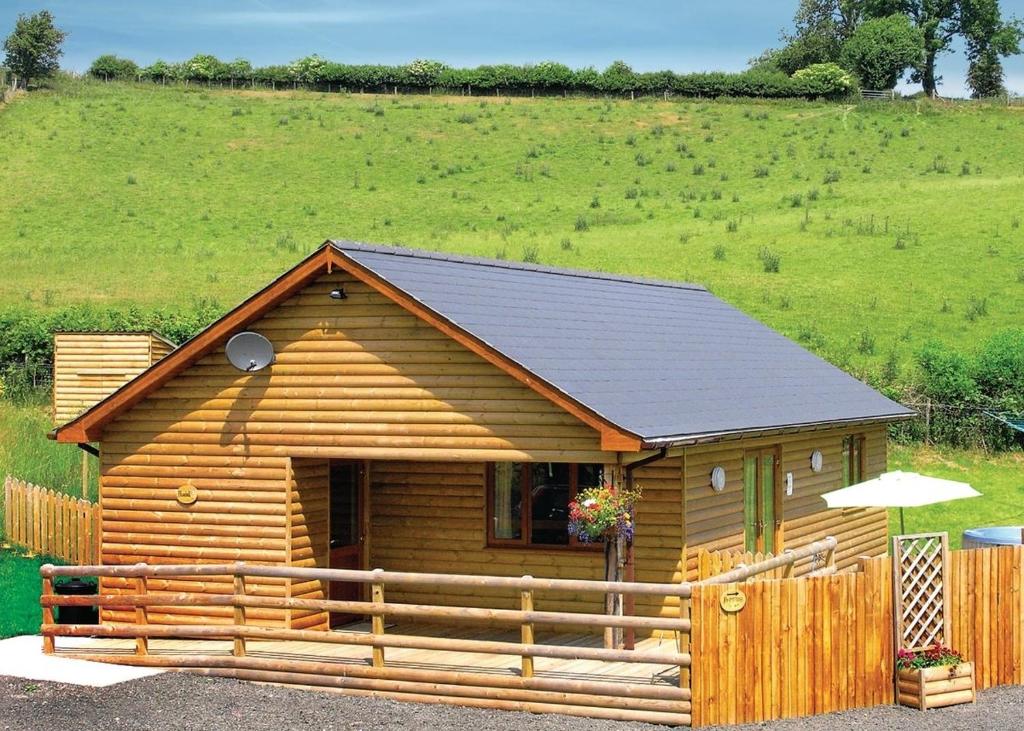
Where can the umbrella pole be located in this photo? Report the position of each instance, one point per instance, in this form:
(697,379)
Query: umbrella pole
(903,528)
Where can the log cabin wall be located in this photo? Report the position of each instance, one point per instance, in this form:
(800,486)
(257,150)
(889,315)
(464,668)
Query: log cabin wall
(309,536)
(357,378)
(88,367)
(715,520)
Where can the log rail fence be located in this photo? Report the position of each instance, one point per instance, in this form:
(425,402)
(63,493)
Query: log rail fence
(50,523)
(818,643)
(637,698)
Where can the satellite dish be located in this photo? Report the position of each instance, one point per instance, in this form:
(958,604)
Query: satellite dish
(249,351)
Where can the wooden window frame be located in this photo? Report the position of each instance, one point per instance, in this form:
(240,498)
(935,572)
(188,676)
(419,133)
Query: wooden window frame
(526,513)
(858,448)
(776,528)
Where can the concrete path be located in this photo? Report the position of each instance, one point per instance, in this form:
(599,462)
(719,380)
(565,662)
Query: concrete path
(22,657)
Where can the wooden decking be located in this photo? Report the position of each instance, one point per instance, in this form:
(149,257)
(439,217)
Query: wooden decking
(499,665)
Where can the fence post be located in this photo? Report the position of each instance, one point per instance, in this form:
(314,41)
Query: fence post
(238,581)
(526,631)
(48,642)
(377,619)
(8,515)
(684,641)
(141,612)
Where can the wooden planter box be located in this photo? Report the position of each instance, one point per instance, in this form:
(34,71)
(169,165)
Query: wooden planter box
(945,685)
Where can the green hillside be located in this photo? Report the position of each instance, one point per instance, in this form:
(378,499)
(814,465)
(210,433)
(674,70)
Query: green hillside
(888,223)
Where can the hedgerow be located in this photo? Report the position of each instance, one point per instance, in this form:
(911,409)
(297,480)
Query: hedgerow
(423,75)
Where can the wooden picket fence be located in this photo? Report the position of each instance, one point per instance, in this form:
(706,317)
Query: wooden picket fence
(51,523)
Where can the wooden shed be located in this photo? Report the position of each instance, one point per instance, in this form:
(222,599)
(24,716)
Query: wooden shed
(89,366)
(435,413)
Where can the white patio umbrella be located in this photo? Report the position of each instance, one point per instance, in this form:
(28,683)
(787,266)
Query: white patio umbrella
(899,490)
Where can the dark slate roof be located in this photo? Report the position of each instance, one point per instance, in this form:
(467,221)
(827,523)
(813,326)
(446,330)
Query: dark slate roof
(664,360)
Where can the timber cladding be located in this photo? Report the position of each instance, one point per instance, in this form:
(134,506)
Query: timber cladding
(714,520)
(361,378)
(357,378)
(88,367)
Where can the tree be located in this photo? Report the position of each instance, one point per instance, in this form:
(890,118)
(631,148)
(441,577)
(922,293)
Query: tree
(110,66)
(988,38)
(820,28)
(882,49)
(34,47)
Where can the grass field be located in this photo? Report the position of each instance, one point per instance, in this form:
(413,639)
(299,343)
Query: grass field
(26,453)
(19,579)
(889,223)
(999,479)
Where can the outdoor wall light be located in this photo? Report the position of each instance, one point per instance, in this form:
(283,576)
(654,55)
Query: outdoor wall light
(718,478)
(816,460)
(338,294)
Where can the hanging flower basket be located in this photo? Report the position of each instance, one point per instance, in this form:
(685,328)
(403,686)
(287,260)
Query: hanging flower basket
(934,678)
(605,514)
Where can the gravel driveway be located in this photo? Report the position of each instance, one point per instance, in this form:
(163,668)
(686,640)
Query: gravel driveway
(183,701)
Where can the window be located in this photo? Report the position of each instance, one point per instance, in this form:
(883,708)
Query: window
(760,518)
(853,459)
(528,502)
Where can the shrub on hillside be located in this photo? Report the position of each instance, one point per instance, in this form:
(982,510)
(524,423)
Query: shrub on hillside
(958,388)
(825,79)
(110,66)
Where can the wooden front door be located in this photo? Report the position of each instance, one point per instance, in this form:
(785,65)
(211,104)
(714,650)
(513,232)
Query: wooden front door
(347,538)
(762,504)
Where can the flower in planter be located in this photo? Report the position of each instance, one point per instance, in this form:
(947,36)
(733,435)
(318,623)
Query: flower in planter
(601,513)
(932,657)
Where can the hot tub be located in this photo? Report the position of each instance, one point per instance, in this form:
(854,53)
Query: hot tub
(1004,535)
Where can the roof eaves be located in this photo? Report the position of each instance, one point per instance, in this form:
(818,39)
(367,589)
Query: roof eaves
(686,440)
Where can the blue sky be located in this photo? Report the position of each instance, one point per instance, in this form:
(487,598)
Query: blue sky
(681,35)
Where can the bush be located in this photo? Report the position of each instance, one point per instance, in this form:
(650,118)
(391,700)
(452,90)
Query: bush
(110,66)
(825,79)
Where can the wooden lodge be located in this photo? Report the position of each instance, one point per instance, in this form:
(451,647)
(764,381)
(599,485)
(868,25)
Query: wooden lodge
(435,414)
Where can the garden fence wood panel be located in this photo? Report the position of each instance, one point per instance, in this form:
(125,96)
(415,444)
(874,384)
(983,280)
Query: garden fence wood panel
(987,612)
(50,523)
(798,647)
(713,563)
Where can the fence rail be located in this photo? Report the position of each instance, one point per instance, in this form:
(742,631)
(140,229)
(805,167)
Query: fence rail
(51,523)
(581,692)
(724,567)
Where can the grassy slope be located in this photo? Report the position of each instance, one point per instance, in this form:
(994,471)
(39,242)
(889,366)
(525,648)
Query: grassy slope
(999,478)
(26,453)
(155,195)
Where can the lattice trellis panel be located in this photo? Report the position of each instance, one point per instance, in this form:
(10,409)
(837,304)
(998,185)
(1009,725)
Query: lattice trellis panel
(920,578)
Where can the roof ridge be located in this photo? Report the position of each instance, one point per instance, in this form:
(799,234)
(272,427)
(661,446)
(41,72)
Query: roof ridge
(414,253)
